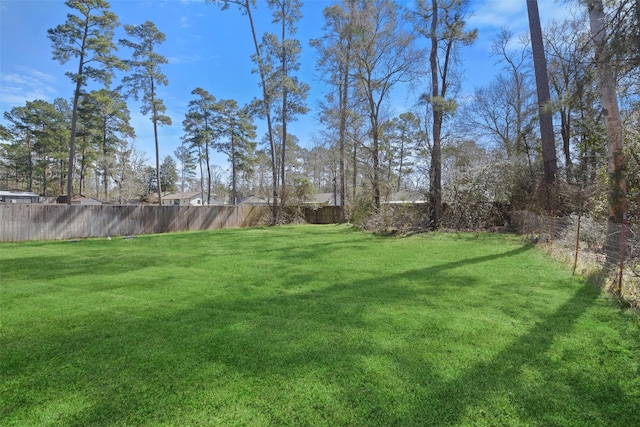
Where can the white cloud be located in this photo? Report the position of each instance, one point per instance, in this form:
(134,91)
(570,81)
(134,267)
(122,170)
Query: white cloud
(42,76)
(28,85)
(184,59)
(496,14)
(490,16)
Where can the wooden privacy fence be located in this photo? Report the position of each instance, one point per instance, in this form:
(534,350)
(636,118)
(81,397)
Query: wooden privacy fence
(323,215)
(50,222)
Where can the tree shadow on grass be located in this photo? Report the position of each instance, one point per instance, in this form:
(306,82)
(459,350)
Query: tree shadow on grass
(337,355)
(52,267)
(536,388)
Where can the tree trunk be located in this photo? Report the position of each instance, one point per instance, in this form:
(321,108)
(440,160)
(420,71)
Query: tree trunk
(544,100)
(341,142)
(234,192)
(436,170)
(436,153)
(83,167)
(74,117)
(565,130)
(267,108)
(207,161)
(344,96)
(105,166)
(354,175)
(44,165)
(613,126)
(30,162)
(284,110)
(401,161)
(201,172)
(375,136)
(155,137)
(72,139)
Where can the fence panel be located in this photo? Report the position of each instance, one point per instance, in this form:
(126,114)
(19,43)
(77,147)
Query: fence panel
(323,215)
(22,222)
(590,246)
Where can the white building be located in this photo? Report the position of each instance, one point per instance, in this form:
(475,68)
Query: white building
(18,197)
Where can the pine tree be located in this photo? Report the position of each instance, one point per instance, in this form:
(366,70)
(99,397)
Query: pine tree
(146,78)
(87,36)
(236,140)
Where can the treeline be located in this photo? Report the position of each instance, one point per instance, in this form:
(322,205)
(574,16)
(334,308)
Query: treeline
(463,156)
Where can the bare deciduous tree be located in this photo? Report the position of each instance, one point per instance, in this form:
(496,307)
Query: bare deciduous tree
(384,54)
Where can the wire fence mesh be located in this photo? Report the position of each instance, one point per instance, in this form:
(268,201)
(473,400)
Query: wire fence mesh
(592,247)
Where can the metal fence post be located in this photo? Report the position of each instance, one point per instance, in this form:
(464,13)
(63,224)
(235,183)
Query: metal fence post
(575,260)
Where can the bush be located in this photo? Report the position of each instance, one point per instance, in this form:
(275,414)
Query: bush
(400,219)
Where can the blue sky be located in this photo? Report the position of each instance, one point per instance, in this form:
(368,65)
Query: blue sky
(209,48)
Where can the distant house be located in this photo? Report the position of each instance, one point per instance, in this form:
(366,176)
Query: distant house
(214,202)
(253,201)
(404,198)
(14,197)
(326,199)
(193,198)
(86,201)
(79,200)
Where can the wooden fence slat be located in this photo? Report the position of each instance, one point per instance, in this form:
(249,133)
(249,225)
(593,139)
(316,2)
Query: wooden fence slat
(21,222)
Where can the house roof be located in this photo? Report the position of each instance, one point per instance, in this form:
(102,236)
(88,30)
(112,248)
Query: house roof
(76,198)
(253,200)
(83,199)
(326,199)
(181,196)
(404,197)
(18,193)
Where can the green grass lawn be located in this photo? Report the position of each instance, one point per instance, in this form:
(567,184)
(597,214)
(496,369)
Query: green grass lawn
(308,325)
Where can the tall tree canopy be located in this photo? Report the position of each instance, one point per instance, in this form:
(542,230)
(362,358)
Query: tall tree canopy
(146,77)
(201,129)
(88,37)
(282,60)
(236,139)
(384,55)
(443,23)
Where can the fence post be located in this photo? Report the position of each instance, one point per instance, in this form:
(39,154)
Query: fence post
(575,260)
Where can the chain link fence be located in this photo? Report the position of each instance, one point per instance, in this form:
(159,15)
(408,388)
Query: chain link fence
(607,251)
